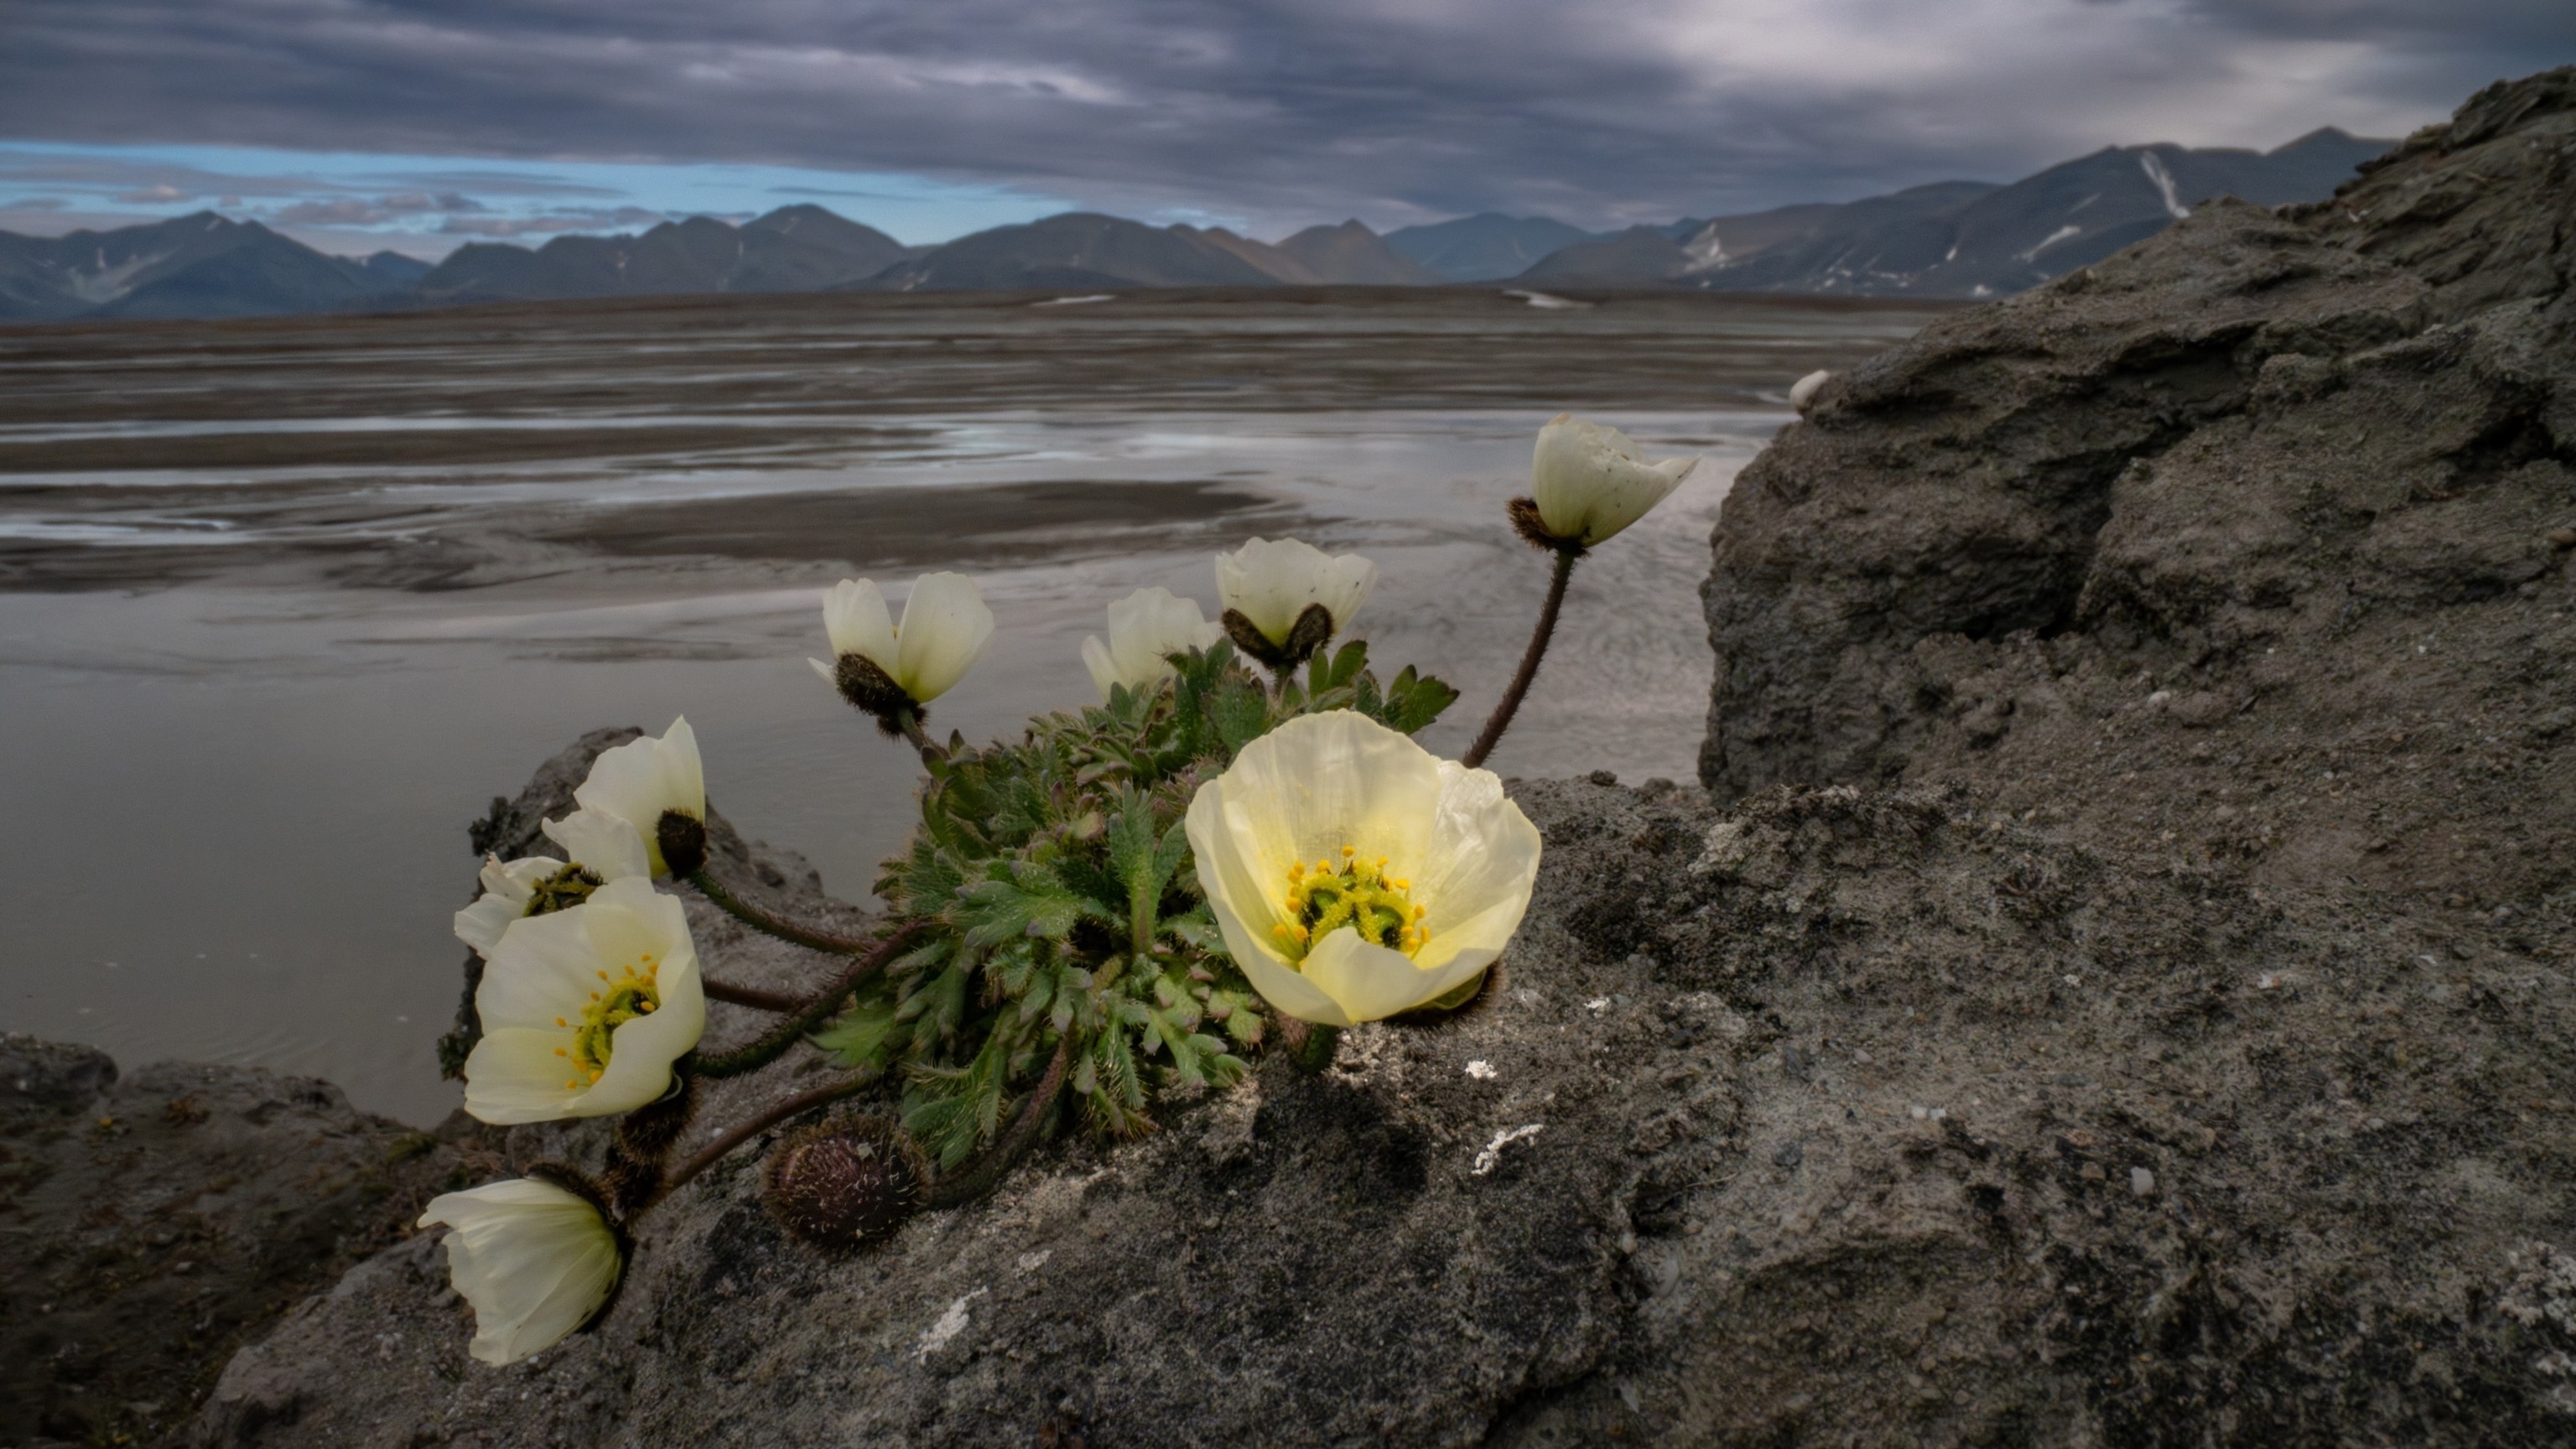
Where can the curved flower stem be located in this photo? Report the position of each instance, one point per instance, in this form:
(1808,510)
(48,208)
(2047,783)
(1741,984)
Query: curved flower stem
(1510,703)
(750,1127)
(765,1049)
(772,924)
(978,1177)
(751,996)
(908,721)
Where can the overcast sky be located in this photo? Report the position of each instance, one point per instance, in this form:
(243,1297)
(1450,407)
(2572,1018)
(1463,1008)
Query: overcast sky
(422,123)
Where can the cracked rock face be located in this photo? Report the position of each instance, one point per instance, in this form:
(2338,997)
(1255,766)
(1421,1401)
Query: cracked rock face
(2265,501)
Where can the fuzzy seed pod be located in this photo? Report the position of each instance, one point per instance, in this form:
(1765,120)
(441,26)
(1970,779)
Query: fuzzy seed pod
(846,1184)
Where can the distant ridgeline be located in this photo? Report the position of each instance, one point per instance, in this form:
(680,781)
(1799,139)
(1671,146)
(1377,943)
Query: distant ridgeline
(1956,239)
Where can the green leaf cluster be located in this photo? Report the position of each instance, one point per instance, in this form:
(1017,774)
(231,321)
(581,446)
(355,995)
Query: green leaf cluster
(1063,905)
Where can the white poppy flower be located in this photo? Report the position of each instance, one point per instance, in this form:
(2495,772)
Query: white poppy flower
(1355,874)
(642,782)
(1590,483)
(535,1260)
(597,849)
(1272,582)
(945,628)
(584,1010)
(1143,627)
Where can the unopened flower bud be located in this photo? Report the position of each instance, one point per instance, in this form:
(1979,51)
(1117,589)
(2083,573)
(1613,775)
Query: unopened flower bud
(846,1184)
(1284,599)
(1588,482)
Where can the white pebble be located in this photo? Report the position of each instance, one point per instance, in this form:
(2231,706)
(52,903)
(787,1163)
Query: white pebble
(2142,1182)
(1598,1003)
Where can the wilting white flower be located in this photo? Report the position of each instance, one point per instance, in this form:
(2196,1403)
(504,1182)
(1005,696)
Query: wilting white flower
(1590,483)
(1804,390)
(535,1260)
(597,849)
(945,628)
(1355,874)
(584,1010)
(643,781)
(1272,582)
(1144,627)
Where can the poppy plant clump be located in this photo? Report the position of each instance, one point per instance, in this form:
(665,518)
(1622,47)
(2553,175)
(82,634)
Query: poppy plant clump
(1240,849)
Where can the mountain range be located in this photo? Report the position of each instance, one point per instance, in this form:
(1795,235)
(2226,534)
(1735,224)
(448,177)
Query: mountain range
(1951,239)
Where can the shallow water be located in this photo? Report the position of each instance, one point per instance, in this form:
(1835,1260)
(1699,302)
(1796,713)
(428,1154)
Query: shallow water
(256,689)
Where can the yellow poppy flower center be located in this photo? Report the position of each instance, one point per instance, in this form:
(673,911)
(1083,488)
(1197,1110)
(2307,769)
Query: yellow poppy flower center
(1356,893)
(619,1000)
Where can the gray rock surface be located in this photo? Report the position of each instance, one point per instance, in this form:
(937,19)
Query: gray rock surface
(149,1222)
(2250,541)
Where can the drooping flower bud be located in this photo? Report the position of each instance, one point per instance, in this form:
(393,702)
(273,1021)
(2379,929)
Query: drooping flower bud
(846,1184)
(1144,628)
(885,670)
(1588,482)
(1284,599)
(537,1257)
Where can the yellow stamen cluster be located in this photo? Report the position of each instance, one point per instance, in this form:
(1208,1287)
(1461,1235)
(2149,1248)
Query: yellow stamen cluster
(1356,893)
(629,995)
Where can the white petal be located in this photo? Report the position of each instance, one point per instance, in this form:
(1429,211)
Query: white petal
(855,616)
(1476,878)
(1104,670)
(604,845)
(1590,483)
(518,1074)
(1246,908)
(534,1260)
(1369,982)
(1270,582)
(825,670)
(543,967)
(945,629)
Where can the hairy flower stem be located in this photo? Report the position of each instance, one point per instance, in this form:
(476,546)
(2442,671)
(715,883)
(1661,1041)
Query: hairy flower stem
(1310,1045)
(908,721)
(765,1049)
(752,1126)
(751,996)
(1510,703)
(772,924)
(978,1176)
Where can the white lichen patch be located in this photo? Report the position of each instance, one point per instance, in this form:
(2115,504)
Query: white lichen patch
(1492,1156)
(950,1324)
(1482,1070)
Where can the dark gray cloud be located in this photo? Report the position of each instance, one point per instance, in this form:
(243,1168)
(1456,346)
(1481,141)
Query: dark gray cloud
(1274,111)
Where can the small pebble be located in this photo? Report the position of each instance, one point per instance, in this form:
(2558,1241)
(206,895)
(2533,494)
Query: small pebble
(2562,538)
(1598,1003)
(2090,1172)
(1482,1071)
(2142,1182)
